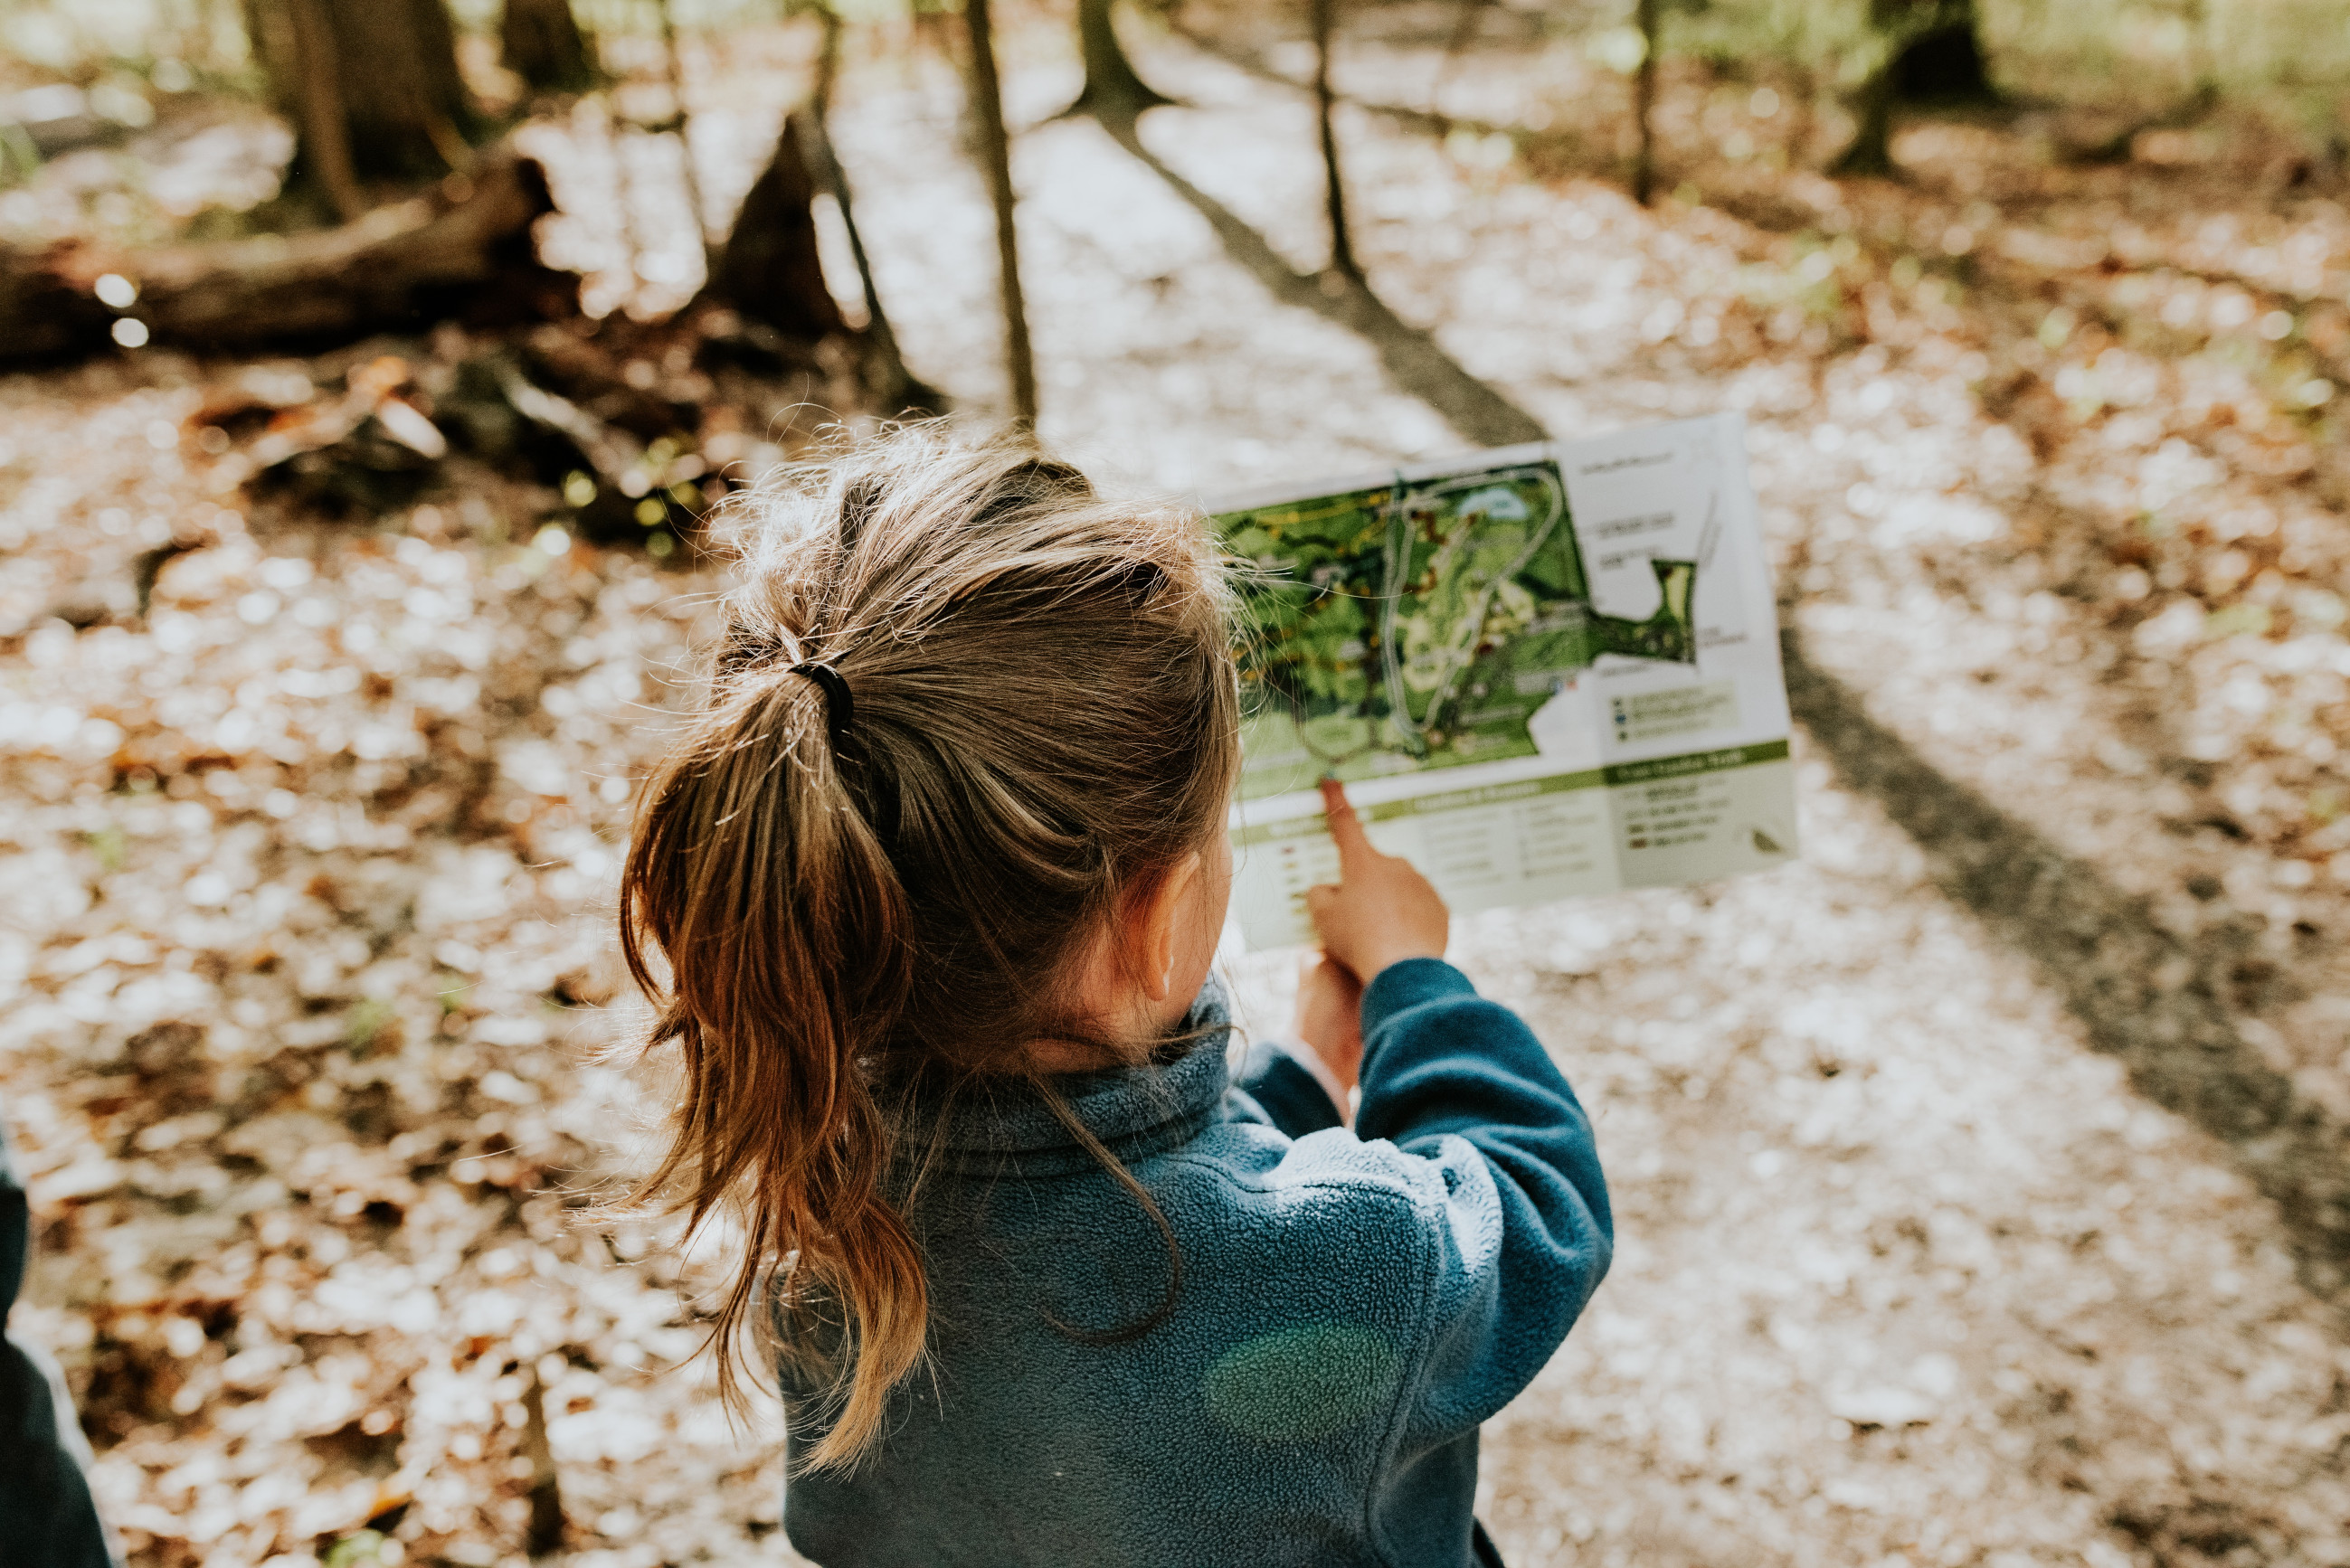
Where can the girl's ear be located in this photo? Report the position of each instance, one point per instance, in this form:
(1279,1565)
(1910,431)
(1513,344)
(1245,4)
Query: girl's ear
(1161,922)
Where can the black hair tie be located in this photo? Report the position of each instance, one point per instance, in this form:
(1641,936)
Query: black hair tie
(839,707)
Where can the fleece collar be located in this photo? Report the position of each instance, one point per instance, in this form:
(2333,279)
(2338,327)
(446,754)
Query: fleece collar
(1136,1112)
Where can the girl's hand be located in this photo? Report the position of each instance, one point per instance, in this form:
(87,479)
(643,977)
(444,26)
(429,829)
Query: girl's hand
(1382,911)
(1330,1019)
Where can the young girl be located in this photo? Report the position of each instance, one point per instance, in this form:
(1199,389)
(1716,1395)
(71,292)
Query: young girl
(928,895)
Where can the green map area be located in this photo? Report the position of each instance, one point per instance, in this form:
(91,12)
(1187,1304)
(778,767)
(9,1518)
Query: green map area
(1419,625)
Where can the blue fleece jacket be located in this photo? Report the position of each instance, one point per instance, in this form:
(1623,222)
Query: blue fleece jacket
(1352,1305)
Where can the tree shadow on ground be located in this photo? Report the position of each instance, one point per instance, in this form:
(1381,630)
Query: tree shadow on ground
(2143,994)
(1412,356)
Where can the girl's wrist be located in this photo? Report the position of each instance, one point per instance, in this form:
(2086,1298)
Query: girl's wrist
(1326,1073)
(1389,960)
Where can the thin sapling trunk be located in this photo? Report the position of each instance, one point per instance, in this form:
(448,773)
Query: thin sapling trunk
(684,124)
(899,387)
(1644,104)
(996,154)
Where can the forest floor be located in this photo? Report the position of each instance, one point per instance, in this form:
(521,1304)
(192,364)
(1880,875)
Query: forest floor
(1979,1180)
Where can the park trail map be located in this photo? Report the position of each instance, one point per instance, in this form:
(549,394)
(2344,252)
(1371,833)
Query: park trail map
(1543,671)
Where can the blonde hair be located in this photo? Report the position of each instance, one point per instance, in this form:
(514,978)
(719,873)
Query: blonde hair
(961,710)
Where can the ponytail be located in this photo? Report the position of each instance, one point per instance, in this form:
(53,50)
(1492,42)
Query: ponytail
(962,709)
(784,930)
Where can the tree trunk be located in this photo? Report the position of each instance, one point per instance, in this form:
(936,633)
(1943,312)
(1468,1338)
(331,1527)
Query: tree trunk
(1871,150)
(1944,63)
(995,153)
(323,135)
(384,71)
(1114,90)
(1342,244)
(769,269)
(1644,105)
(540,41)
(398,268)
(1931,54)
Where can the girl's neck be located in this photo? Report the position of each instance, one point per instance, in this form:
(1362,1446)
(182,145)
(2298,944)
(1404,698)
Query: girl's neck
(1051,1056)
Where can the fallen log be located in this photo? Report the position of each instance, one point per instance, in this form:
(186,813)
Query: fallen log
(462,251)
(610,415)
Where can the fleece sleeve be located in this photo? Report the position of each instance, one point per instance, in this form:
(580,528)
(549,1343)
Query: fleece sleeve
(1286,1090)
(1524,1234)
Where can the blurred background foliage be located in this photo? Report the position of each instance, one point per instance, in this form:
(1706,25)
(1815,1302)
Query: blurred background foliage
(2286,58)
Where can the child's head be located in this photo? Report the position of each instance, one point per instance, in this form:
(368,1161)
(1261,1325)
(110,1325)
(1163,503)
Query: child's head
(955,803)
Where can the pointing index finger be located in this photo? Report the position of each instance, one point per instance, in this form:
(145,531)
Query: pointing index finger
(1345,828)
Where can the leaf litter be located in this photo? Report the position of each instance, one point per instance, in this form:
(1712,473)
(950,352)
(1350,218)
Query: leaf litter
(306,976)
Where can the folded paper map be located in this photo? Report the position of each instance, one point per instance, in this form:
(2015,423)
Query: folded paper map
(1543,671)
